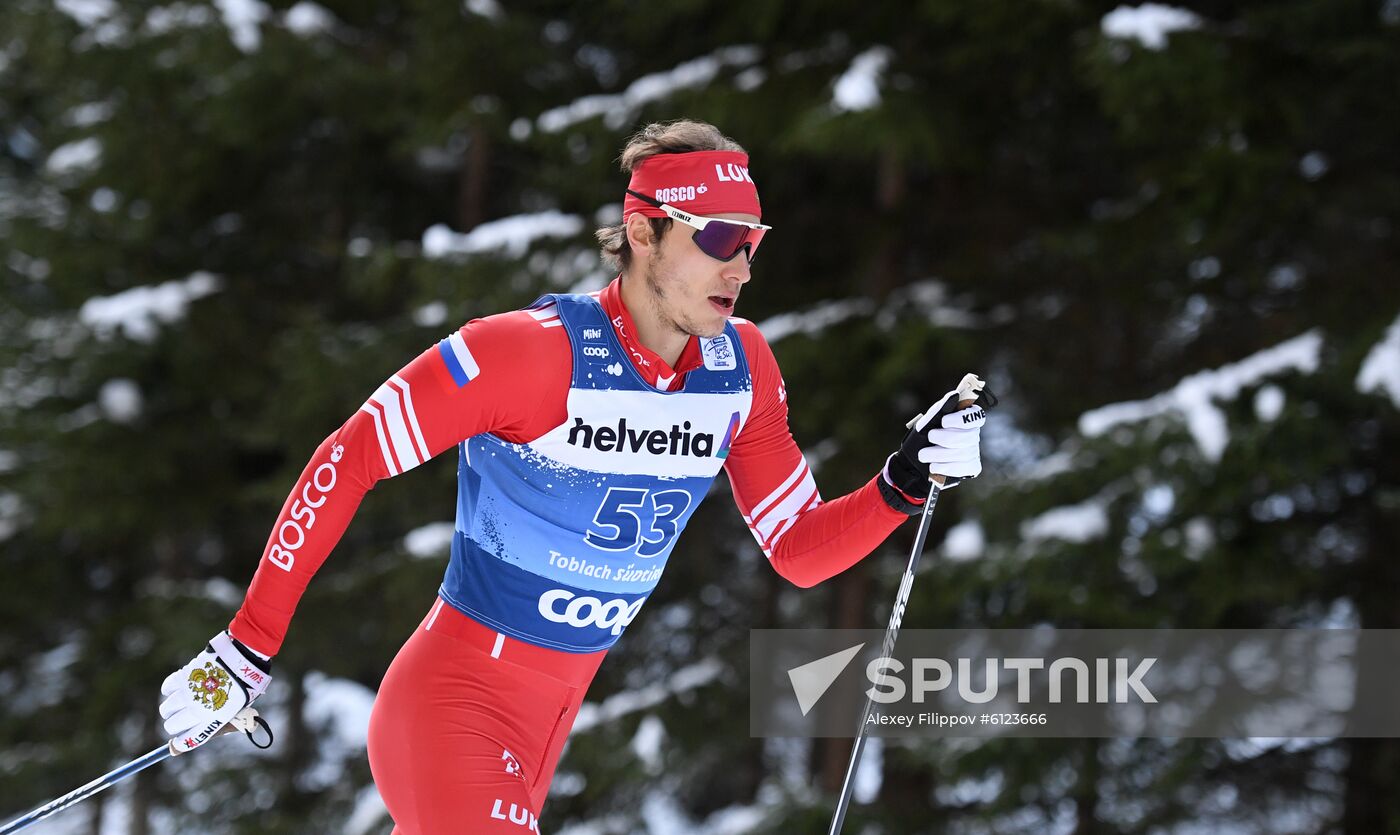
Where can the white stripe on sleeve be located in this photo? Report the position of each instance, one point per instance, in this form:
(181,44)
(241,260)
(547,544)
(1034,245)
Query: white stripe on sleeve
(412,416)
(789,522)
(759,508)
(788,508)
(374,414)
(396,426)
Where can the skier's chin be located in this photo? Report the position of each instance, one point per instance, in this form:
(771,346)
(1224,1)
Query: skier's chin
(706,330)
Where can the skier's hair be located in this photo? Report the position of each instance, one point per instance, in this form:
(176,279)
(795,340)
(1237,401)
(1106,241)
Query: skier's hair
(678,137)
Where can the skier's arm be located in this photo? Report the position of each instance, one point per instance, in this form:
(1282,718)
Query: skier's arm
(806,540)
(485,377)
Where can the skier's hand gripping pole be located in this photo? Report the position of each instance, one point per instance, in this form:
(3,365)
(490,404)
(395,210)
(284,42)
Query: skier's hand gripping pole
(949,452)
(203,696)
(944,441)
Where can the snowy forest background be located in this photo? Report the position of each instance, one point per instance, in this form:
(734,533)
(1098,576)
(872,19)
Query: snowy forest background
(1167,236)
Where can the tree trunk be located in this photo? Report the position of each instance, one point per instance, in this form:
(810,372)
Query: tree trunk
(472,179)
(1370,800)
(852,592)
(1086,792)
(141,804)
(300,746)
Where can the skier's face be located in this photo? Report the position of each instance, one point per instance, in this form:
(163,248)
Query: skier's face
(692,292)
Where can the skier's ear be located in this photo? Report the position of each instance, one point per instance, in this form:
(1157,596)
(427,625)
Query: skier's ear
(640,235)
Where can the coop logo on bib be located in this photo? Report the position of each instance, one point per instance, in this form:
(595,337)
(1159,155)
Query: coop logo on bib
(561,606)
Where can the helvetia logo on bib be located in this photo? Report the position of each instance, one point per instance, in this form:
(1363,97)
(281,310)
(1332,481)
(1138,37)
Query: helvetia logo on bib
(679,439)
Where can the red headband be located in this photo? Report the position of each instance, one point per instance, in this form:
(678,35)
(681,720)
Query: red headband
(700,182)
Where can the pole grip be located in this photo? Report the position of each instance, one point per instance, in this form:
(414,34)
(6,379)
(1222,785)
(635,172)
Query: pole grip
(246,720)
(968,390)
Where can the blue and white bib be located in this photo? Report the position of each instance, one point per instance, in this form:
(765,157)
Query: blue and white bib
(560,541)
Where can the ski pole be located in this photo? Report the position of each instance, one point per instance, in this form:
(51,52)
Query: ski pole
(967,395)
(246,721)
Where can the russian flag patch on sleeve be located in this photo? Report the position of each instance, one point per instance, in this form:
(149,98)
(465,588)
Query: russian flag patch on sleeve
(460,362)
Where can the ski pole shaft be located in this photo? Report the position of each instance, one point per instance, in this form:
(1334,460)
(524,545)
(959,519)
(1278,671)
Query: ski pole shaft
(891,632)
(968,391)
(78,795)
(246,721)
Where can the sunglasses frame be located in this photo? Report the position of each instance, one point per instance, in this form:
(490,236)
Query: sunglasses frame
(699,222)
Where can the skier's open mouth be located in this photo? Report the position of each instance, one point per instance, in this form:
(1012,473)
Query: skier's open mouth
(724,303)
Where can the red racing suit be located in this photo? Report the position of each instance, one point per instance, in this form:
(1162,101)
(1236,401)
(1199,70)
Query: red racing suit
(469,722)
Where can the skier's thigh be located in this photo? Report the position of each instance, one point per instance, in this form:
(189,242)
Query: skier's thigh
(457,783)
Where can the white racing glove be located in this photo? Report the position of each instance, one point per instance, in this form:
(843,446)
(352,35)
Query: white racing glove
(946,440)
(204,695)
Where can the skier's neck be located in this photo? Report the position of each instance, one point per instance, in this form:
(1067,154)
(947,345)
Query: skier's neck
(651,330)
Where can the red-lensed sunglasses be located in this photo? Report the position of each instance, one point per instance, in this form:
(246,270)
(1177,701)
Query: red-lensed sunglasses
(718,238)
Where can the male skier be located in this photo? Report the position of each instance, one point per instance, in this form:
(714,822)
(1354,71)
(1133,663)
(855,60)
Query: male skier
(590,427)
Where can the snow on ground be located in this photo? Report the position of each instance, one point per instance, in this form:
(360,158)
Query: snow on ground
(136,312)
(511,235)
(1078,523)
(1192,397)
(432,540)
(859,87)
(618,109)
(1380,371)
(1148,24)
